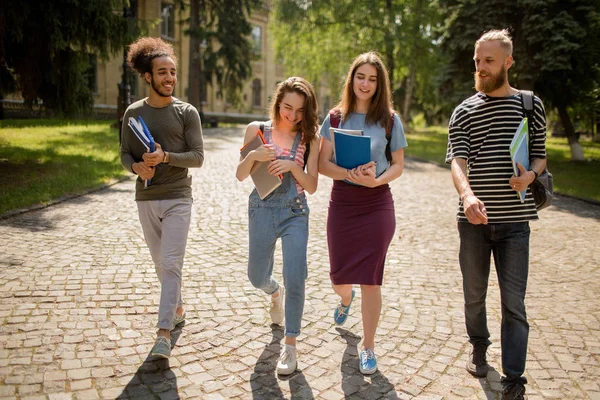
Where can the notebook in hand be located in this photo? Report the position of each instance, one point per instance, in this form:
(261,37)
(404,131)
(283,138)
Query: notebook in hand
(519,152)
(264,182)
(351,150)
(354,132)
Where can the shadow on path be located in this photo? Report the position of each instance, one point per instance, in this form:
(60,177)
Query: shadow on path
(154,378)
(263,381)
(355,385)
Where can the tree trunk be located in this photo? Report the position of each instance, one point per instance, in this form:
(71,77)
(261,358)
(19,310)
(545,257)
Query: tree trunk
(410,84)
(389,46)
(576,149)
(195,65)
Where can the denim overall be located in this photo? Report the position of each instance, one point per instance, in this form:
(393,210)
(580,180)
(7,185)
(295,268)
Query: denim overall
(283,214)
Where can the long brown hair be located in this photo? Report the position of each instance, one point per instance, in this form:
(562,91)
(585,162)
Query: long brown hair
(310,120)
(381,107)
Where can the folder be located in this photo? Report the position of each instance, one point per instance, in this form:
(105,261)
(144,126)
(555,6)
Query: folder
(332,131)
(143,134)
(351,150)
(264,182)
(519,152)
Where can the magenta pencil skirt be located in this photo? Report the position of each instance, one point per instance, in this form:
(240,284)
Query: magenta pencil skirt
(360,227)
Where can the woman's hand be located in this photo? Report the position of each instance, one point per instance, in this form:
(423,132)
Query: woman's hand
(364,175)
(367,168)
(264,153)
(278,167)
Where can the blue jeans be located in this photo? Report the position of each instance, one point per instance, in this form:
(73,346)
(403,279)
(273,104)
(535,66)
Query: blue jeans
(286,219)
(509,244)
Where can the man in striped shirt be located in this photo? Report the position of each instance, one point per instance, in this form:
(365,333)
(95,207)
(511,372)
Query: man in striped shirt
(491,217)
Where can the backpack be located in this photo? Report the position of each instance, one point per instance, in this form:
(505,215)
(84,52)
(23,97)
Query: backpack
(262,129)
(335,117)
(542,188)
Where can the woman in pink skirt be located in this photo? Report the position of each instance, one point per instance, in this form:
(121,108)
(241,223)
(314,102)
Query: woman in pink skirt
(361,219)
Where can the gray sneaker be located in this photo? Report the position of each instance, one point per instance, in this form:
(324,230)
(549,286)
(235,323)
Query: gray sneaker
(162,347)
(178,320)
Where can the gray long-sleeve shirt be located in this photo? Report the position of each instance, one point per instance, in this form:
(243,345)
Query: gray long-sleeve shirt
(178,130)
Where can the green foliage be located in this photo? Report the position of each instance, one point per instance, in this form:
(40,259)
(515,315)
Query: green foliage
(221,31)
(572,178)
(556,48)
(319,39)
(42,160)
(45,47)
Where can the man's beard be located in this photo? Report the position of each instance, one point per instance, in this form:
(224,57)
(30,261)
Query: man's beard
(492,82)
(157,88)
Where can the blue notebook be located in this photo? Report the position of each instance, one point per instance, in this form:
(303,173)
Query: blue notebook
(351,150)
(519,152)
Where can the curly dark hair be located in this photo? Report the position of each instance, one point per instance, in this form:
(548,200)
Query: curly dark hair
(144,50)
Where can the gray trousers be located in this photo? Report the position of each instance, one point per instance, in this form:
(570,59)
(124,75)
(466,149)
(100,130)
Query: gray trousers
(166,224)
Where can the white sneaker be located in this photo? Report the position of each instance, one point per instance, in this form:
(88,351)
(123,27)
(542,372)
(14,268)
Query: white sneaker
(276,310)
(288,360)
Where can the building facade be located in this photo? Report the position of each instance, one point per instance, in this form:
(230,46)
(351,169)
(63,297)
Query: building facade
(165,20)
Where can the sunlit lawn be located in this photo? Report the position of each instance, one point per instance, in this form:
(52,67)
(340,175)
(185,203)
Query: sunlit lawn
(580,179)
(42,160)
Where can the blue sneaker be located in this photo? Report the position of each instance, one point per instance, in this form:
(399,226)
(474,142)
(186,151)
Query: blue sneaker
(368,362)
(340,314)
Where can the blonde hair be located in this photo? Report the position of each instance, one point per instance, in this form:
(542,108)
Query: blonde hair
(501,35)
(381,107)
(310,120)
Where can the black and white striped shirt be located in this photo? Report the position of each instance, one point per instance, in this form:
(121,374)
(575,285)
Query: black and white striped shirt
(481,129)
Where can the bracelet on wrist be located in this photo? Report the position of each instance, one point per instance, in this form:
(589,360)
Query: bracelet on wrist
(535,173)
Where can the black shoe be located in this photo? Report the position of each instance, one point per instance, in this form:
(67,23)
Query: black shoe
(477,363)
(513,391)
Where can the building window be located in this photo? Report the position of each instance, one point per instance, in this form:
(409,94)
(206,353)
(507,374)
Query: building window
(167,26)
(256,101)
(257,40)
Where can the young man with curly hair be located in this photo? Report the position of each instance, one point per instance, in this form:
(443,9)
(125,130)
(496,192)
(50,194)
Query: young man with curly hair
(165,205)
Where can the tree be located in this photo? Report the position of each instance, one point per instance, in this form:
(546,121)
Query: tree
(45,49)
(219,46)
(556,49)
(319,39)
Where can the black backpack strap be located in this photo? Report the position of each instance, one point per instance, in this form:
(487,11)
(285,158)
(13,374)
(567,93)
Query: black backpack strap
(262,128)
(388,137)
(527,104)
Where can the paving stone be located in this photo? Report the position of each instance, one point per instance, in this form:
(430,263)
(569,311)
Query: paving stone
(79,301)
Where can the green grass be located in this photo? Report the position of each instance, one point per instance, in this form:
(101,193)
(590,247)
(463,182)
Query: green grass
(579,179)
(43,160)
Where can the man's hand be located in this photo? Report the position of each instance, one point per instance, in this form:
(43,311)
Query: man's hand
(154,158)
(521,182)
(144,171)
(475,210)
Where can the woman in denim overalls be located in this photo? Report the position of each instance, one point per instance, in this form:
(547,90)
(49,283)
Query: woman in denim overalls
(284,213)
